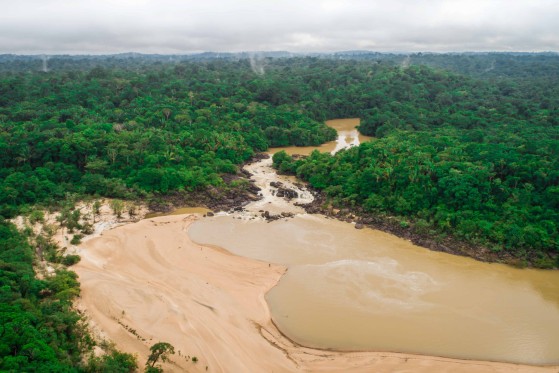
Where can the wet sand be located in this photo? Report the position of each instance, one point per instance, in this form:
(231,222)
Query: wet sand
(147,282)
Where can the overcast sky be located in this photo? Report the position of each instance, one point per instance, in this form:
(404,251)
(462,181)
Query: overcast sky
(186,26)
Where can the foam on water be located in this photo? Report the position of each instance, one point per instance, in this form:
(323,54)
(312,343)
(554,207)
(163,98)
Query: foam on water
(369,284)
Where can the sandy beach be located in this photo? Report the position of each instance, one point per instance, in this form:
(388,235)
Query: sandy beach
(146,282)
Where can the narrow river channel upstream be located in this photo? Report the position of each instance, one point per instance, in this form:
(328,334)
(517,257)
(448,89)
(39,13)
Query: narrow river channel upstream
(351,289)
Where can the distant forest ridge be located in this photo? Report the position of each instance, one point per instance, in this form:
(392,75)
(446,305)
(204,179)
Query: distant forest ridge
(473,63)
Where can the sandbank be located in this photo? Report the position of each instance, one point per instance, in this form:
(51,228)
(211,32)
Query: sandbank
(146,282)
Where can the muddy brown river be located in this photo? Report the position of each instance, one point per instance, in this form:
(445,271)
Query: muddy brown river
(347,136)
(351,289)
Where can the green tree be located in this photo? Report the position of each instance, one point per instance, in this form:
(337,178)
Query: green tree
(159,351)
(118,207)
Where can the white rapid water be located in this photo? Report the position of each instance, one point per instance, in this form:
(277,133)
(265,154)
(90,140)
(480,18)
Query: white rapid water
(263,174)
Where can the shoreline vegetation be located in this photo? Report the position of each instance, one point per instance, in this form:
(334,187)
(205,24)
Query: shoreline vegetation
(403,228)
(433,206)
(41,328)
(235,199)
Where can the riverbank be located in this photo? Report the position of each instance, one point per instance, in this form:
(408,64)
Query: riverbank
(400,227)
(147,282)
(237,191)
(405,229)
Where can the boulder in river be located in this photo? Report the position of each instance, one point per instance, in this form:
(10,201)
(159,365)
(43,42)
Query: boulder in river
(287,193)
(270,217)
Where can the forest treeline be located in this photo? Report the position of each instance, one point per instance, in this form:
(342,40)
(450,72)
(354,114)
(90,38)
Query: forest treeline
(471,153)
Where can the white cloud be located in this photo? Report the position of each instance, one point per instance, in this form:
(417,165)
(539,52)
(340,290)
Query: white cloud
(180,26)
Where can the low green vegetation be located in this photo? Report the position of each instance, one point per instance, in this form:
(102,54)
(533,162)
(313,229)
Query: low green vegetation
(114,361)
(39,329)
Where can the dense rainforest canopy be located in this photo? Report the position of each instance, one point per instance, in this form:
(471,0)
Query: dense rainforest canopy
(465,145)
(127,127)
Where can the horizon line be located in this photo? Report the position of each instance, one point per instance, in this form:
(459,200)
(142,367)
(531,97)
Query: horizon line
(257,52)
